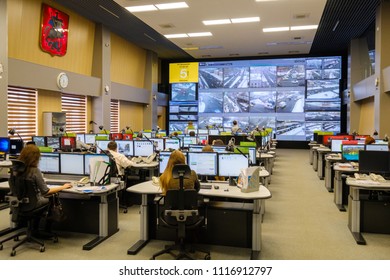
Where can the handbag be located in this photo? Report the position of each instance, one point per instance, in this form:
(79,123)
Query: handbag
(56,212)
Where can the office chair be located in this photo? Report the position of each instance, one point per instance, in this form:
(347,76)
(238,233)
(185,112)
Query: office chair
(114,173)
(181,213)
(22,201)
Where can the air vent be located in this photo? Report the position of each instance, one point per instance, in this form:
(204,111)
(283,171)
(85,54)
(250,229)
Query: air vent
(293,52)
(300,16)
(167,25)
(262,53)
(234,54)
(206,55)
(297,38)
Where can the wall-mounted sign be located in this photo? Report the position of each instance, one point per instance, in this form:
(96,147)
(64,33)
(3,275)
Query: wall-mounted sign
(183,72)
(54,31)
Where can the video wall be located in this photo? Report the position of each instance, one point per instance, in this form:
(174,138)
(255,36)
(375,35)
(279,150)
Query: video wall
(293,96)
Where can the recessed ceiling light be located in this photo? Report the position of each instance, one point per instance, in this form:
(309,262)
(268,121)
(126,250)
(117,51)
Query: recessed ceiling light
(276,29)
(168,6)
(200,34)
(143,8)
(216,22)
(248,19)
(304,27)
(180,35)
(191,48)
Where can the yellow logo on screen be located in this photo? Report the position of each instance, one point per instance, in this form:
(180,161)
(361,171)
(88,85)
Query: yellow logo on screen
(183,72)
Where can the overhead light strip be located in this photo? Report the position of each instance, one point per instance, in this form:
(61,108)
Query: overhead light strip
(155,7)
(232,20)
(276,29)
(186,35)
(292,28)
(217,21)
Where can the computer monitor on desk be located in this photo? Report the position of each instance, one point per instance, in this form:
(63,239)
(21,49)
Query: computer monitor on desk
(125,147)
(72,164)
(90,139)
(172,144)
(102,145)
(39,141)
(336,145)
(203,163)
(15,146)
(67,143)
(189,140)
(164,157)
(53,142)
(143,148)
(88,157)
(160,143)
(374,162)
(230,165)
(350,152)
(377,147)
(49,163)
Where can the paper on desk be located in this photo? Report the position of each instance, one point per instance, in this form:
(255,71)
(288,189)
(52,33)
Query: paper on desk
(91,189)
(368,182)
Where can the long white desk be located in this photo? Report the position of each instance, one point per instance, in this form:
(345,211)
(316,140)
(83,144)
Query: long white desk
(330,160)
(321,159)
(340,169)
(354,204)
(224,191)
(108,223)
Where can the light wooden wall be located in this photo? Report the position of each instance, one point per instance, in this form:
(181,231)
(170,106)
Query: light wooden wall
(367,123)
(127,62)
(131,114)
(23,37)
(48,101)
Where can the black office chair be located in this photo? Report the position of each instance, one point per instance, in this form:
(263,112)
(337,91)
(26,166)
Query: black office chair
(114,173)
(182,214)
(22,201)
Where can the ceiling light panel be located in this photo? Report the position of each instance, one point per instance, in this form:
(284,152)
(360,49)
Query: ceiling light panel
(276,29)
(243,20)
(200,34)
(169,6)
(143,8)
(304,27)
(171,36)
(216,22)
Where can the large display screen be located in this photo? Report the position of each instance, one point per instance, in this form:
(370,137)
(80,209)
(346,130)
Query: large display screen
(293,96)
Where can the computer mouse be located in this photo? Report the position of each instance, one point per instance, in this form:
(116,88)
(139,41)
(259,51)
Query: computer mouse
(216,187)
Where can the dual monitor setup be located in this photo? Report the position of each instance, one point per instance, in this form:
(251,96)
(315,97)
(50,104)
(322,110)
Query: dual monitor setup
(210,163)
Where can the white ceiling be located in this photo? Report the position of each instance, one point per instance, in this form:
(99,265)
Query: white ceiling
(236,40)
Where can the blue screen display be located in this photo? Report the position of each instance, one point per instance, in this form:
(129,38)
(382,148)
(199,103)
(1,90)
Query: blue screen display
(4,145)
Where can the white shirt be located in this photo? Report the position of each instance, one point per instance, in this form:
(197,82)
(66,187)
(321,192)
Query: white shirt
(122,162)
(235,129)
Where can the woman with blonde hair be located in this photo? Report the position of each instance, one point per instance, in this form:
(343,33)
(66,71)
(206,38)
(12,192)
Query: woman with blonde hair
(167,182)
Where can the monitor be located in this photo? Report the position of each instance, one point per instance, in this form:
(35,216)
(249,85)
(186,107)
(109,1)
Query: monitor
(90,139)
(203,131)
(350,152)
(244,151)
(143,148)
(116,136)
(377,147)
(203,139)
(16,146)
(127,136)
(49,163)
(80,137)
(219,149)
(147,134)
(203,163)
(53,142)
(102,145)
(187,140)
(67,143)
(374,162)
(195,148)
(4,145)
(125,147)
(87,157)
(101,136)
(230,164)
(172,144)
(336,145)
(160,143)
(164,157)
(39,141)
(213,132)
(72,164)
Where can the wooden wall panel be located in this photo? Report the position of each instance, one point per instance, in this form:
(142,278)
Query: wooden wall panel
(127,62)
(367,123)
(131,114)
(23,37)
(48,101)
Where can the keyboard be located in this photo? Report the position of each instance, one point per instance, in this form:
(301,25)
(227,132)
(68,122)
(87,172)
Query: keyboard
(206,187)
(56,183)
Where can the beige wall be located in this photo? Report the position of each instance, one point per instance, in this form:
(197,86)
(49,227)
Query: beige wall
(127,62)
(23,37)
(366,123)
(131,114)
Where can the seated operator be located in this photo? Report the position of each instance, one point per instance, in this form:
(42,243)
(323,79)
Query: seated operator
(122,162)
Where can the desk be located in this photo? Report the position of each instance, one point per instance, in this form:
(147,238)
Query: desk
(355,211)
(151,167)
(267,159)
(321,159)
(92,212)
(311,151)
(147,188)
(340,195)
(264,176)
(330,159)
(315,157)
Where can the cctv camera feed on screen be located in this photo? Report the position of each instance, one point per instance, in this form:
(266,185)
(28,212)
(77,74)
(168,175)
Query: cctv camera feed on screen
(183,92)
(293,96)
